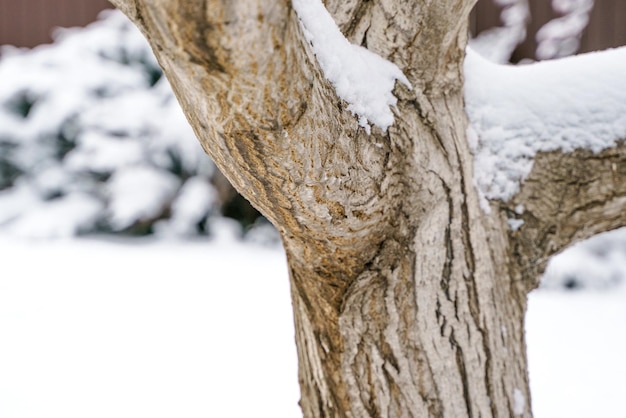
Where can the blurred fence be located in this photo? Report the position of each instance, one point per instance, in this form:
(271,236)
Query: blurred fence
(606,28)
(28,23)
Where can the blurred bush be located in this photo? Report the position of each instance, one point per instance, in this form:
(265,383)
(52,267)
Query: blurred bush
(93,140)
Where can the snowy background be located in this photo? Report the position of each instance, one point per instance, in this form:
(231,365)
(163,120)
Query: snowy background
(104,328)
(118,266)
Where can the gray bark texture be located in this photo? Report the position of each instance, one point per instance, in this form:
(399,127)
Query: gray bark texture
(408,298)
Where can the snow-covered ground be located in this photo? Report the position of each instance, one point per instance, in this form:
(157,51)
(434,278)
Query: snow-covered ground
(106,329)
(95,328)
(577,353)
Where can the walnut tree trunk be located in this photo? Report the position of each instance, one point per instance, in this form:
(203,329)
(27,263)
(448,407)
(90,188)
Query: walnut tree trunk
(408,298)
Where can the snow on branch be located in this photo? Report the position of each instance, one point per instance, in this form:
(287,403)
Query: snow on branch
(360,77)
(517,111)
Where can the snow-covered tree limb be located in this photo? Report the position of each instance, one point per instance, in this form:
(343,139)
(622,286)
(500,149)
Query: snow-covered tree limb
(548,145)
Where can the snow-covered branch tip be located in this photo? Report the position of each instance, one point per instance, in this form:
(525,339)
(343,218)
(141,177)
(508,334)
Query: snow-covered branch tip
(360,77)
(516,112)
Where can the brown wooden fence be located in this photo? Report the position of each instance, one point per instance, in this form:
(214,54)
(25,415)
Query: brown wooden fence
(606,29)
(30,22)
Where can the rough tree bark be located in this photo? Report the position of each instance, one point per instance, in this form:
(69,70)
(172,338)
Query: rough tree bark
(408,298)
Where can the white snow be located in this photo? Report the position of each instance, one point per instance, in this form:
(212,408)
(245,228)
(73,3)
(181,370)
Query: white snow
(139,193)
(14,200)
(102,329)
(598,263)
(517,111)
(103,153)
(519,402)
(576,345)
(143,328)
(360,77)
(95,328)
(62,217)
(515,224)
(194,200)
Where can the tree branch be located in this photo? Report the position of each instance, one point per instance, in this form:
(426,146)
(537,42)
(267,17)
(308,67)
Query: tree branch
(548,149)
(567,198)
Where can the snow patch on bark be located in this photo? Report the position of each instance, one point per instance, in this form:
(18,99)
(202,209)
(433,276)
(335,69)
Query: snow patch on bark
(515,224)
(519,402)
(516,112)
(360,77)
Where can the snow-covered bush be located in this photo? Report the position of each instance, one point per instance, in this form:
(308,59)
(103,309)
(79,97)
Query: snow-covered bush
(93,140)
(598,263)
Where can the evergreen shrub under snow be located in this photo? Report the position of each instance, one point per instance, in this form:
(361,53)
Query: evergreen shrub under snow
(93,140)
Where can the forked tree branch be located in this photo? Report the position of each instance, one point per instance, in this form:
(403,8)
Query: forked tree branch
(253,92)
(399,305)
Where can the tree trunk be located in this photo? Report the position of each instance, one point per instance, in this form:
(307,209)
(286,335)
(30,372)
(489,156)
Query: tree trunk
(408,297)
(430,325)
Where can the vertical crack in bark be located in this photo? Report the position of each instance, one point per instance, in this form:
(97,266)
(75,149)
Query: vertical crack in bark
(406,382)
(460,362)
(470,259)
(355,19)
(446,274)
(488,372)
